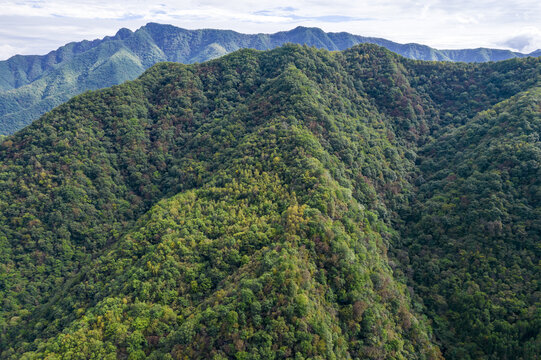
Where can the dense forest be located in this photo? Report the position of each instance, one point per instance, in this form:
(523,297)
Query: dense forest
(287,204)
(31,85)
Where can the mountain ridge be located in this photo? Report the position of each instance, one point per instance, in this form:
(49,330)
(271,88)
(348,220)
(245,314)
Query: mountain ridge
(283,204)
(31,85)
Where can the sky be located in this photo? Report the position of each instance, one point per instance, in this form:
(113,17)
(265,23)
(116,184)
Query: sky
(39,26)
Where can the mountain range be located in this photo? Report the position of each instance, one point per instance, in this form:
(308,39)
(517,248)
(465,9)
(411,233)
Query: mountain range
(33,85)
(295,203)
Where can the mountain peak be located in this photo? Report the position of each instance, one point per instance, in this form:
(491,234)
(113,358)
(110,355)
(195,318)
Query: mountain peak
(123,33)
(305,28)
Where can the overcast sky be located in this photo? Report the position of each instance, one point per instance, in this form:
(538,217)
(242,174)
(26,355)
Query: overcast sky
(39,26)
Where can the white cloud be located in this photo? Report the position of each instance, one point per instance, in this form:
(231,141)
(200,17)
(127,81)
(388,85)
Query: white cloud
(8,50)
(525,40)
(438,23)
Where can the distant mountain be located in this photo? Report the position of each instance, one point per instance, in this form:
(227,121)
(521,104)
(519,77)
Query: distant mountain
(32,85)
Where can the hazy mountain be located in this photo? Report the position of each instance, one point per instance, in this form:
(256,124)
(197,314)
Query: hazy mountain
(32,85)
(288,204)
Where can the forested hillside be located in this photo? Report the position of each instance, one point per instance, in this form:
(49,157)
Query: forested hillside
(288,204)
(32,85)
(474,243)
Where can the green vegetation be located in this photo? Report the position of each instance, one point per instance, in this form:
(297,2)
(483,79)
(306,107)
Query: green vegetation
(33,85)
(475,242)
(289,204)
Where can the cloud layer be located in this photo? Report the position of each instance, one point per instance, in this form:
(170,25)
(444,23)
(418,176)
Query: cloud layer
(38,26)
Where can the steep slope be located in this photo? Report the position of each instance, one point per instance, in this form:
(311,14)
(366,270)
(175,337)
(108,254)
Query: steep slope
(475,231)
(266,202)
(32,85)
(244,208)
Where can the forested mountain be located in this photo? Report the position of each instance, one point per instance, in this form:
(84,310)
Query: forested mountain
(33,85)
(288,204)
(474,243)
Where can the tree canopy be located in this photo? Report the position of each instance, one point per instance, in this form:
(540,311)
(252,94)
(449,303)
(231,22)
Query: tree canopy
(288,204)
